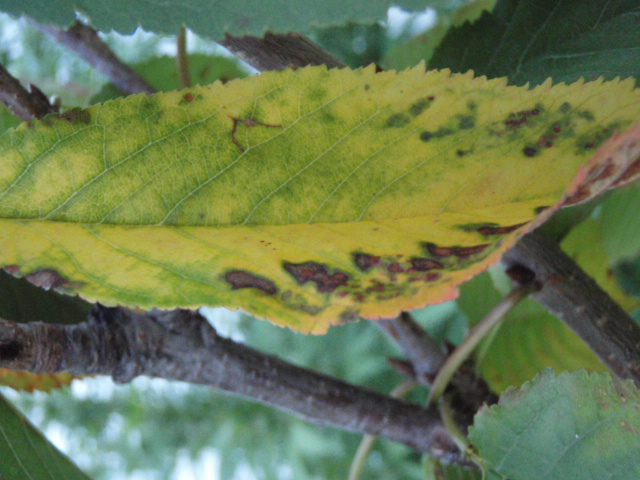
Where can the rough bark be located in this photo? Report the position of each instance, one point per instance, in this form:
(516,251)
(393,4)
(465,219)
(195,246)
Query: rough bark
(181,345)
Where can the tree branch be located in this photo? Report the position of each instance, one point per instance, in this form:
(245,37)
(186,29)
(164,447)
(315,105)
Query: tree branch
(277,52)
(84,41)
(181,345)
(25,105)
(570,294)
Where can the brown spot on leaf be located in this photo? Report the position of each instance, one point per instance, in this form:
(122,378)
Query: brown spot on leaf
(424,264)
(498,230)
(364,261)
(530,151)
(188,97)
(394,268)
(630,173)
(457,251)
(318,274)
(47,278)
(243,279)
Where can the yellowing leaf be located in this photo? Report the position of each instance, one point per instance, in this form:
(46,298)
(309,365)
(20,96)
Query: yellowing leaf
(29,382)
(307,197)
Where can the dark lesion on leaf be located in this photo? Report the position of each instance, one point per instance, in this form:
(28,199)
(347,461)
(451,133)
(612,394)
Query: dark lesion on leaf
(420,264)
(249,123)
(242,279)
(364,261)
(454,251)
(398,120)
(488,229)
(317,273)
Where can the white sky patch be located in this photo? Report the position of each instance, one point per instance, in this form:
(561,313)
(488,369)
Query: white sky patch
(399,21)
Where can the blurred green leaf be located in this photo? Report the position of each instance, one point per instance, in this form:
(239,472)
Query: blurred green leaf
(620,223)
(574,426)
(531,40)
(162,75)
(407,52)
(26,454)
(433,470)
(20,301)
(356,45)
(210,19)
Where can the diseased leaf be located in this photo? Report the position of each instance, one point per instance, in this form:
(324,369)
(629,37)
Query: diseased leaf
(577,425)
(209,18)
(308,197)
(27,381)
(531,40)
(26,454)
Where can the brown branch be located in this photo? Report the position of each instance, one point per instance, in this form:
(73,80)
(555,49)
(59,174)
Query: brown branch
(25,105)
(570,294)
(277,52)
(84,41)
(182,59)
(181,345)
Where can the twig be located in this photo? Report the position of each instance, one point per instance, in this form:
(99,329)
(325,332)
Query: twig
(571,295)
(462,352)
(366,444)
(182,59)
(277,52)
(84,41)
(181,345)
(426,358)
(25,105)
(424,354)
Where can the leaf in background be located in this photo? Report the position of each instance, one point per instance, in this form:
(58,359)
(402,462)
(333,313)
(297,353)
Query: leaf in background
(356,45)
(574,426)
(162,74)
(620,226)
(207,18)
(531,40)
(531,339)
(26,454)
(20,301)
(308,197)
(433,470)
(407,53)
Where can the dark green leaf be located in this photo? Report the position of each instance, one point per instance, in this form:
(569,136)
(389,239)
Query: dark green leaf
(20,301)
(26,454)
(531,40)
(208,18)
